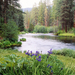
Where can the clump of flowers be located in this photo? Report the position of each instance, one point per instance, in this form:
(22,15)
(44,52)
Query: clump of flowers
(37,53)
(29,54)
(39,58)
(49,52)
(51,71)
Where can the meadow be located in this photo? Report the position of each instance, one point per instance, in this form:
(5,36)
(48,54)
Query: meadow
(17,63)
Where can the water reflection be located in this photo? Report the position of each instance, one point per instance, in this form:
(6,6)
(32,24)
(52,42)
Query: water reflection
(44,42)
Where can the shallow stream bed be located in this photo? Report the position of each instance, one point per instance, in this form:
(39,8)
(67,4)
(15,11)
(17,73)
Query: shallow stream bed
(44,42)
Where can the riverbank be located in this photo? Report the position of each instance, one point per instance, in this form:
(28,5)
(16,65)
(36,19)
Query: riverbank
(67,35)
(68,63)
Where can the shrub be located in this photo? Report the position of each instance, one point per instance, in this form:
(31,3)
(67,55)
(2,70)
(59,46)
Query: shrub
(65,52)
(50,29)
(23,39)
(73,29)
(1,45)
(10,30)
(19,43)
(31,28)
(59,32)
(40,29)
(9,44)
(6,44)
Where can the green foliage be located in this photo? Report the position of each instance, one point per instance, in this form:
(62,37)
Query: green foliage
(18,43)
(6,44)
(9,44)
(59,32)
(10,30)
(23,39)
(50,29)
(65,52)
(31,28)
(18,65)
(21,22)
(73,30)
(40,29)
(23,32)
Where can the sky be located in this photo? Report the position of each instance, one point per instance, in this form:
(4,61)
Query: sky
(29,3)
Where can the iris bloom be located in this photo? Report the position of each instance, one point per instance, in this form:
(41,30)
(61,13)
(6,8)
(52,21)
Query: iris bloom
(48,65)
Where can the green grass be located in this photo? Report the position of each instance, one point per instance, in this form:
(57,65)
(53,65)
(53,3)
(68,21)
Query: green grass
(30,66)
(67,34)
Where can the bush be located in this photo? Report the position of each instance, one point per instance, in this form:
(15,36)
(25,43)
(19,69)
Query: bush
(73,30)
(59,32)
(19,43)
(10,30)
(9,44)
(40,29)
(23,39)
(1,45)
(31,28)
(22,32)
(50,29)
(6,44)
(65,52)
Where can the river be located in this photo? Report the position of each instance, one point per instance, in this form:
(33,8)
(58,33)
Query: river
(44,42)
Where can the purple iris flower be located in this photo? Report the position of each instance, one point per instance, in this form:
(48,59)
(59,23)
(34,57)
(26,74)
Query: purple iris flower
(51,71)
(48,65)
(31,52)
(50,52)
(61,68)
(39,59)
(39,56)
(27,53)
(35,54)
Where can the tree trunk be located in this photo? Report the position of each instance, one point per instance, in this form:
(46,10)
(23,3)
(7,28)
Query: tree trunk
(66,28)
(74,19)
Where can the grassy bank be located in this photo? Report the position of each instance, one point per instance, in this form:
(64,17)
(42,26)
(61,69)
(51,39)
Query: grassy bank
(67,34)
(28,65)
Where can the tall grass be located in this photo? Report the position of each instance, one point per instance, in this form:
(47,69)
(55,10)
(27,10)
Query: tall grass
(65,52)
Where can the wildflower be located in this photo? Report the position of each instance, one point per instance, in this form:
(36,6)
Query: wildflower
(48,65)
(51,71)
(39,59)
(31,52)
(27,53)
(37,52)
(61,68)
(39,56)
(49,52)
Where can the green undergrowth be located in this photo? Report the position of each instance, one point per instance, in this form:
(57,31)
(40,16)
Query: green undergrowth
(8,44)
(65,52)
(67,34)
(17,63)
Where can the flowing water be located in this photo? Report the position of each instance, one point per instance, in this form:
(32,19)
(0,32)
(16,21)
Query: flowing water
(44,42)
